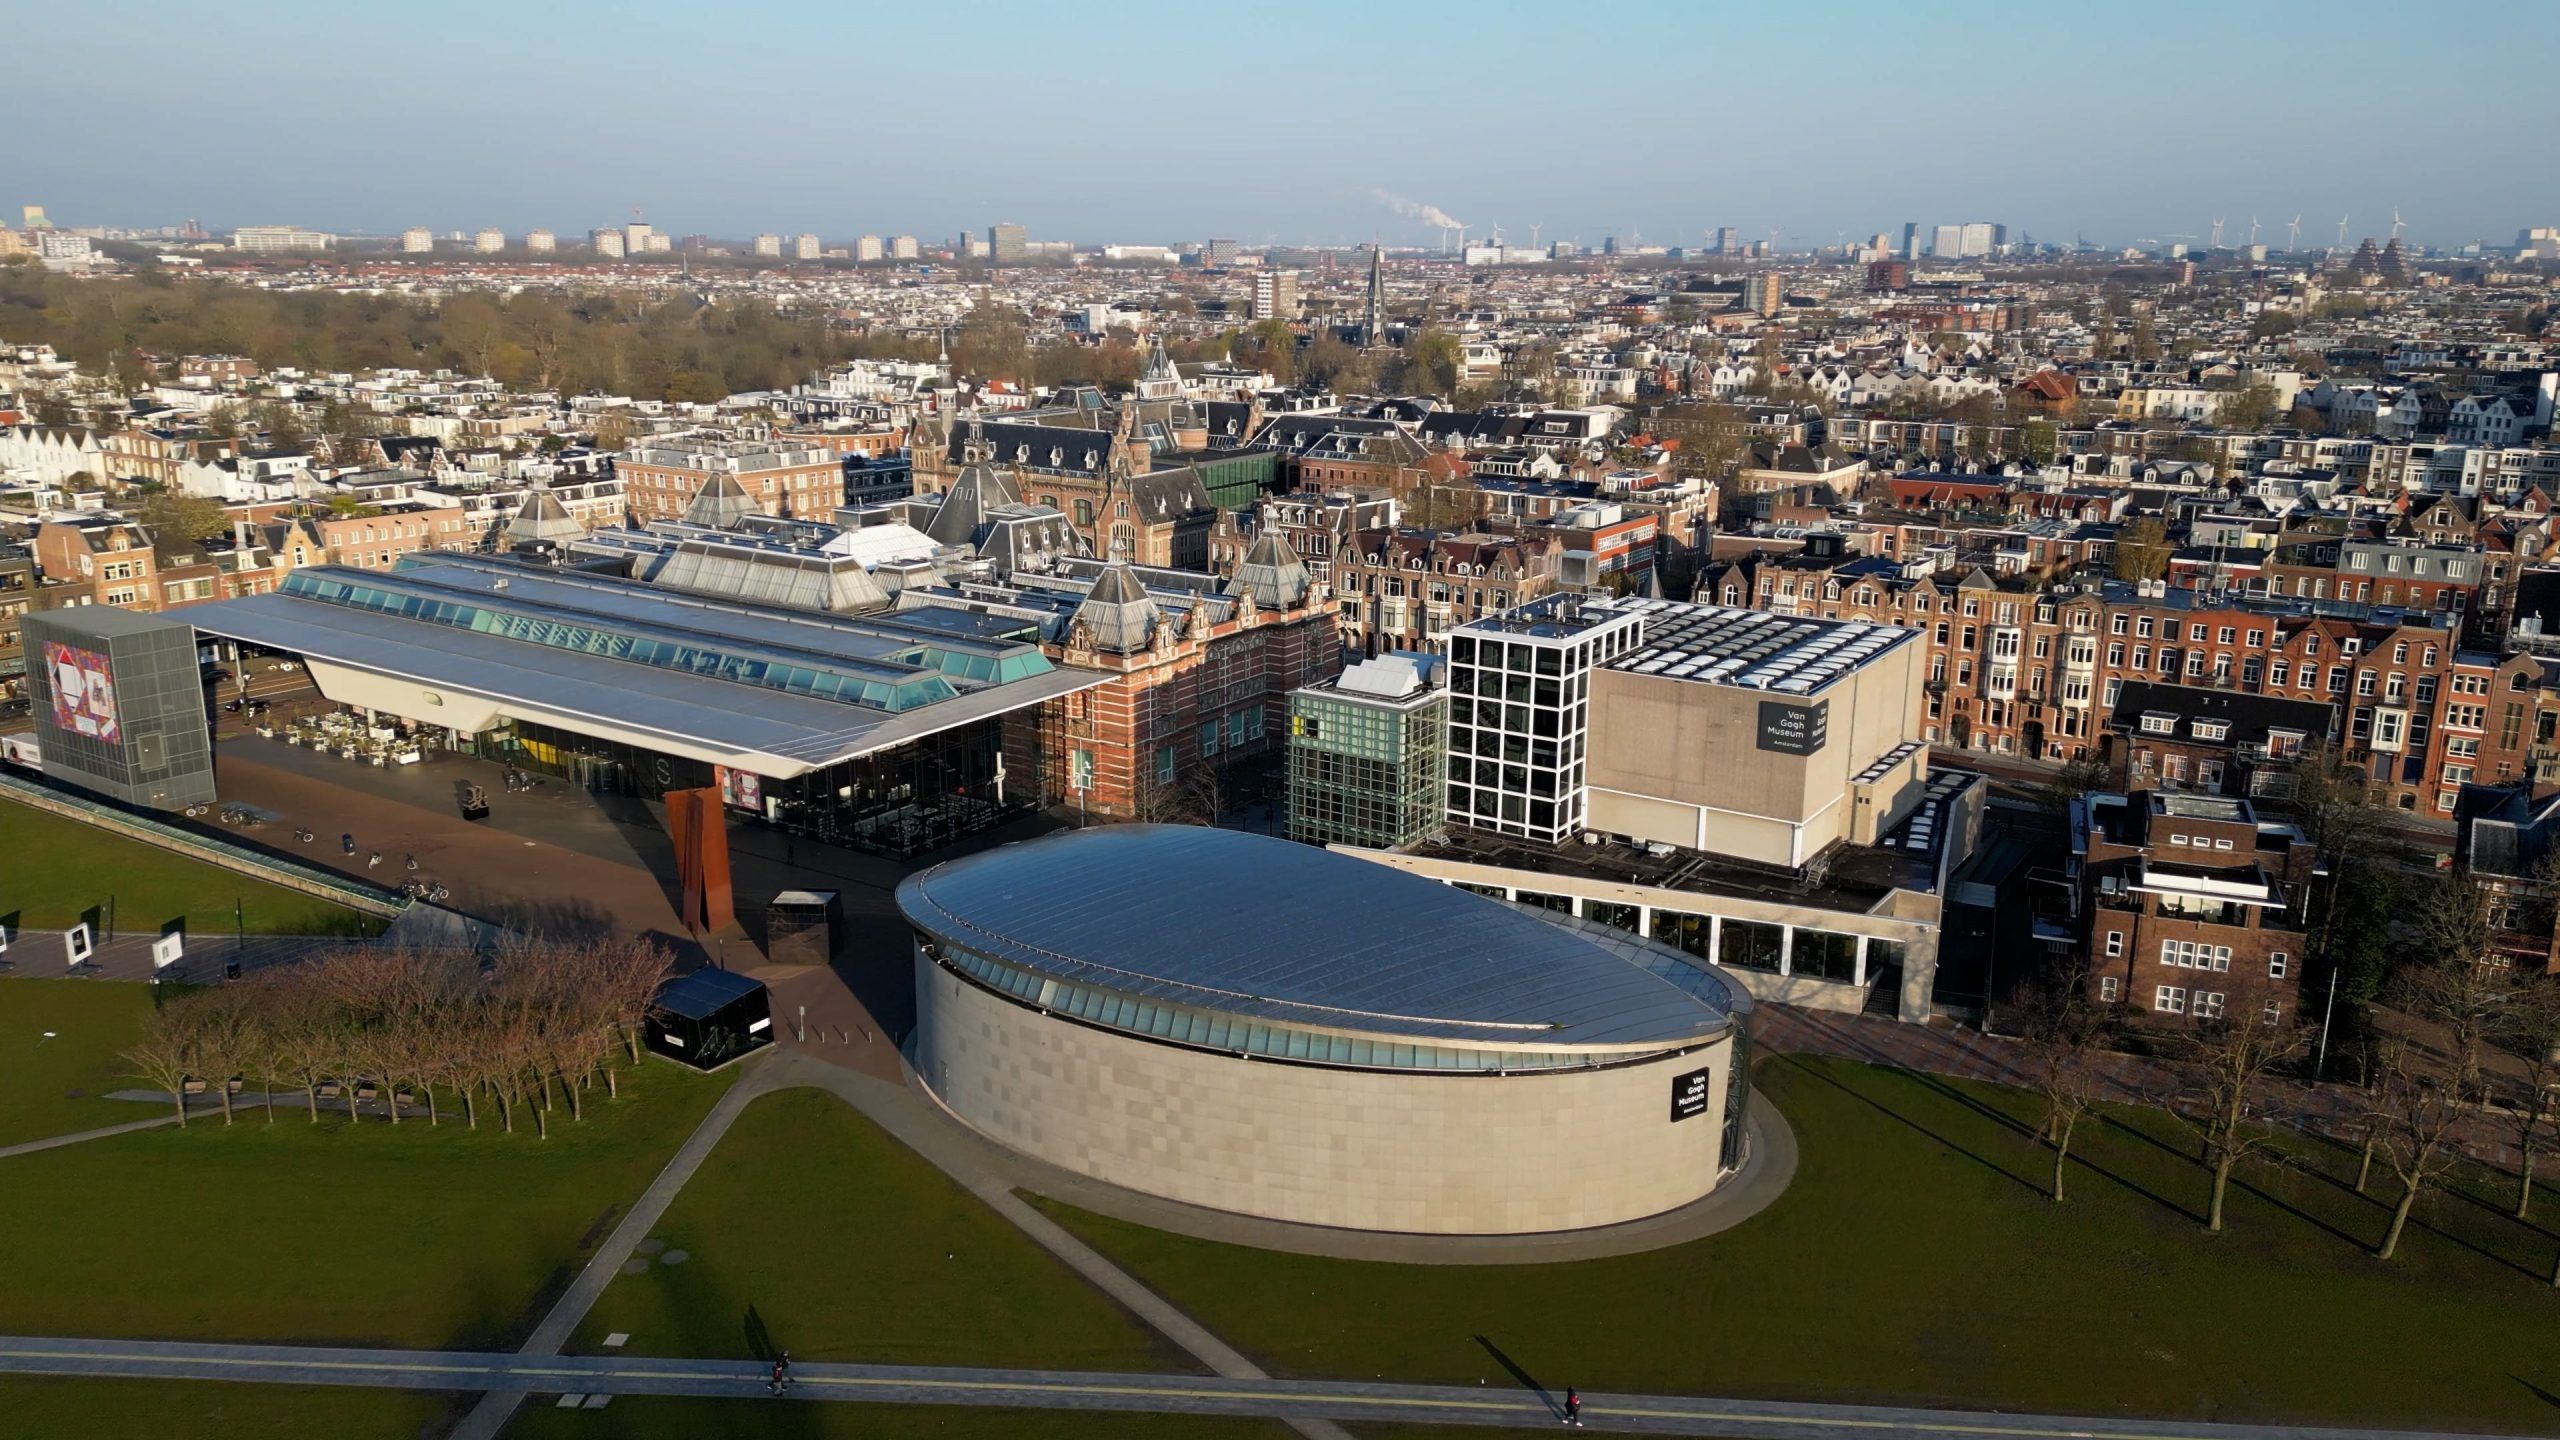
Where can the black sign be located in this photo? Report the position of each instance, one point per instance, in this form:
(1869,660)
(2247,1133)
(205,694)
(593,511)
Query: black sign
(1794,729)
(1689,1094)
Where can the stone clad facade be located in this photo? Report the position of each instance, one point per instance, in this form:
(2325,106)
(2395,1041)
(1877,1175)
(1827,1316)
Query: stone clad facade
(1459,1154)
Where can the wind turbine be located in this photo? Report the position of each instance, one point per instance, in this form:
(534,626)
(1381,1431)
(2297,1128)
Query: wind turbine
(2396,223)
(1533,234)
(2342,231)
(2216,242)
(2293,234)
(2253,232)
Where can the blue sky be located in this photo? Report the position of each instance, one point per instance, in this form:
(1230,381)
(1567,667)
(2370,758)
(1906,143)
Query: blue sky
(1135,120)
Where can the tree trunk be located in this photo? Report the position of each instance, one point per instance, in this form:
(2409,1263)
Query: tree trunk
(2364,1166)
(178,1092)
(225,1087)
(541,1122)
(470,1109)
(430,1092)
(546,1089)
(311,1098)
(612,1083)
(2222,1161)
(269,1095)
(2555,1269)
(506,1111)
(2399,1219)
(2524,1182)
(577,1107)
(2061,1156)
(351,1097)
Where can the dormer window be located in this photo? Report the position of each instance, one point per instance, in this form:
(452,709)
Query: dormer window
(2155,722)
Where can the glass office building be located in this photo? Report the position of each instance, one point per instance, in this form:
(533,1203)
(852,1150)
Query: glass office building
(1368,754)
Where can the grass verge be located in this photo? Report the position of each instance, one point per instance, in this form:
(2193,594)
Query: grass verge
(811,1230)
(1916,1259)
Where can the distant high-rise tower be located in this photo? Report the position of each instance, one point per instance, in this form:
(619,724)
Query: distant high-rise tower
(769,246)
(1373,331)
(1008,243)
(541,242)
(417,240)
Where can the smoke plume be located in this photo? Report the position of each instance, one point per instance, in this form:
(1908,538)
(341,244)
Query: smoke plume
(1431,215)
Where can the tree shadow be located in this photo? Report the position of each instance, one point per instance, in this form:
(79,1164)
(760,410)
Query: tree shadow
(2545,1396)
(1527,1381)
(1985,1161)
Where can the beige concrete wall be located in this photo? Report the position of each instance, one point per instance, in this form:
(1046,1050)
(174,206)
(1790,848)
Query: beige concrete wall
(1365,1150)
(1680,762)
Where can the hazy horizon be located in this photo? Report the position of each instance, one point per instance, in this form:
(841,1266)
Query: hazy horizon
(1153,123)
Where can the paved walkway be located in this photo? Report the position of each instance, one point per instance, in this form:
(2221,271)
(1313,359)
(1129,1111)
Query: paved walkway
(56,1142)
(1304,1403)
(498,1405)
(979,1167)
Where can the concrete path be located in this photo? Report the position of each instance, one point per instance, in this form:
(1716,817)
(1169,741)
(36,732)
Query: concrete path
(913,1122)
(1305,1403)
(56,1142)
(499,1404)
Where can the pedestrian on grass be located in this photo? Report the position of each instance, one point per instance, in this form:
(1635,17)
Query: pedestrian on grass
(1572,1407)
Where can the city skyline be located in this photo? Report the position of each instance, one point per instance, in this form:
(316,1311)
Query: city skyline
(1867,133)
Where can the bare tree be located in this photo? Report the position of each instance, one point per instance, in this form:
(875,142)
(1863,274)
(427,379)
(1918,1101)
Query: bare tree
(2227,1062)
(2531,1085)
(2417,1104)
(225,1036)
(166,1055)
(2062,1035)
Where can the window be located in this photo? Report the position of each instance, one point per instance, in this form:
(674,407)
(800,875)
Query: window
(1166,759)
(2272,1013)
(1209,738)
(2109,988)
(2208,1005)
(2194,955)
(2115,943)
(2169,1000)
(2278,964)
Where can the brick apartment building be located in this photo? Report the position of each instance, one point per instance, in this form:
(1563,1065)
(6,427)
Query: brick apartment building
(1200,669)
(805,482)
(2015,669)
(2193,906)
(1407,589)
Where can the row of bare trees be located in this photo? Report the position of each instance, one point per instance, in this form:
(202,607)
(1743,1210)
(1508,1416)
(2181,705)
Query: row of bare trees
(512,1030)
(2462,1047)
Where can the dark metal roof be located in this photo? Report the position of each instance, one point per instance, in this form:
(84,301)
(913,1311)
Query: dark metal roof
(1219,920)
(704,993)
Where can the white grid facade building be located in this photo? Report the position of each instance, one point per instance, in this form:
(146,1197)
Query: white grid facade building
(1519,713)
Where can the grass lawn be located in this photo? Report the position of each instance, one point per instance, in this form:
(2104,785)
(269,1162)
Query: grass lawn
(811,1230)
(211,1410)
(56,868)
(334,1232)
(660,1417)
(1916,1259)
(51,1087)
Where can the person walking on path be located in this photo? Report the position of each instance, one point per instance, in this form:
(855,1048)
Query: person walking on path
(782,1372)
(1573,1407)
